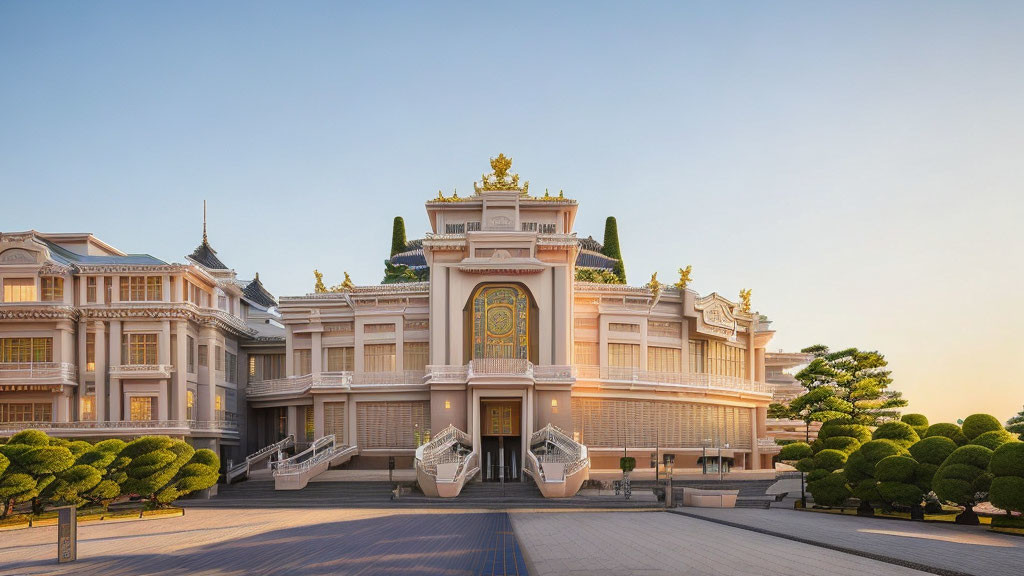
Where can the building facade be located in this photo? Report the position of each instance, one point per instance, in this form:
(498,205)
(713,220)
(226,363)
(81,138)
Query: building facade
(497,346)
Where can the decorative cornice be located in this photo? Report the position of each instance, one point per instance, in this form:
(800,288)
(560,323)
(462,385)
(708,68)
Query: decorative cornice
(57,312)
(50,268)
(404,288)
(172,311)
(135,268)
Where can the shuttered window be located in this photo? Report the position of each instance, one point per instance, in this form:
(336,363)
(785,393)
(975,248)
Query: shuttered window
(661,359)
(303,362)
(698,352)
(341,359)
(310,432)
(726,360)
(613,423)
(392,424)
(623,359)
(379,358)
(415,355)
(586,354)
(334,420)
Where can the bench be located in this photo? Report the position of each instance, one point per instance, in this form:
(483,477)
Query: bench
(709,498)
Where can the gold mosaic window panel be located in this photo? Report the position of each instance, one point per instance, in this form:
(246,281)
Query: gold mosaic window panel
(612,423)
(501,322)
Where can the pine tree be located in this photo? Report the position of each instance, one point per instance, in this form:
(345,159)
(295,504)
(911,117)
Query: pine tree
(847,384)
(1016,424)
(611,247)
(398,241)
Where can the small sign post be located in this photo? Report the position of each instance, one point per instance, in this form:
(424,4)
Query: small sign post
(67,534)
(391,468)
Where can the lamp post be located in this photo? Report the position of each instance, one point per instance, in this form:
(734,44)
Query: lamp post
(720,471)
(704,455)
(805,414)
(670,460)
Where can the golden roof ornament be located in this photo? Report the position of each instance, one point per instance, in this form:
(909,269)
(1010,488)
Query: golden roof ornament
(684,277)
(745,300)
(346,286)
(499,178)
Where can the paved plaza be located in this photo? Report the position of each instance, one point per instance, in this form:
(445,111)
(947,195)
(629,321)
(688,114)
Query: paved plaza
(540,542)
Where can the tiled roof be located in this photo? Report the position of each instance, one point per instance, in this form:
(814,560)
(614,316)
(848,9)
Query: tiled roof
(411,258)
(257,294)
(64,256)
(205,255)
(591,259)
(589,243)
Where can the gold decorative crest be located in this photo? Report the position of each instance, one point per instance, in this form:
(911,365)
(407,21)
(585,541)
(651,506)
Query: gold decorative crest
(499,178)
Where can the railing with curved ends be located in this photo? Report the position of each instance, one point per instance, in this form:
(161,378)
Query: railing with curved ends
(289,385)
(322,448)
(703,381)
(450,446)
(243,467)
(439,449)
(555,446)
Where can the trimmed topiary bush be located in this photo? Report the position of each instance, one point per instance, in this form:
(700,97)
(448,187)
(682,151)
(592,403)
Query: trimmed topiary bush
(897,483)
(964,480)
(860,472)
(837,439)
(34,463)
(154,462)
(828,488)
(830,460)
(611,247)
(899,432)
(919,422)
(930,453)
(993,439)
(977,424)
(201,472)
(951,431)
(398,241)
(795,451)
(1007,468)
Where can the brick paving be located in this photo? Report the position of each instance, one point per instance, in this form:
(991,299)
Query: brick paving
(943,547)
(659,543)
(278,541)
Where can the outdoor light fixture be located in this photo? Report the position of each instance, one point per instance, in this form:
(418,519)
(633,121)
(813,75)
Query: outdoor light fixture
(447,405)
(554,406)
(670,463)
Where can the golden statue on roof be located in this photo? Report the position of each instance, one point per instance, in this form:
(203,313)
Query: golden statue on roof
(499,178)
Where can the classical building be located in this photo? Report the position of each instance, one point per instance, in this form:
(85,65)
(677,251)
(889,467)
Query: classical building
(779,368)
(498,365)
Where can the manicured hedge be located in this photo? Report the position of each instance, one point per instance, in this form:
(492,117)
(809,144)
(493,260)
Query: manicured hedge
(963,475)
(993,439)
(796,451)
(919,422)
(951,431)
(977,424)
(831,489)
(930,453)
(899,432)
(1007,467)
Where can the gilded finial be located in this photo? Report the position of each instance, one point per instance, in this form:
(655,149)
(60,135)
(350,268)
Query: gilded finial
(204,223)
(745,299)
(684,277)
(347,284)
(257,277)
(654,285)
(501,165)
(319,287)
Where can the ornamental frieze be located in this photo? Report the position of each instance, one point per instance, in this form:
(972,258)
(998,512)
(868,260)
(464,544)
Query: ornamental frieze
(39,313)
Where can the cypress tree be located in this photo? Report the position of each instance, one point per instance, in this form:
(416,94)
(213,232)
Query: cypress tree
(398,236)
(611,247)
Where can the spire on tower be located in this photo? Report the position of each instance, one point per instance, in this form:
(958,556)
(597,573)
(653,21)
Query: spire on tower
(204,222)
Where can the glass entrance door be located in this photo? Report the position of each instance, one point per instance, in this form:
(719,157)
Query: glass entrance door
(501,441)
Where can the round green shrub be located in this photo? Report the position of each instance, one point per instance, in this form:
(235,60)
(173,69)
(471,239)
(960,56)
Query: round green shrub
(4,462)
(817,474)
(951,431)
(993,439)
(1007,492)
(963,475)
(899,432)
(154,462)
(1008,460)
(925,475)
(932,450)
(843,427)
(896,469)
(30,438)
(830,460)
(977,424)
(805,465)
(841,443)
(795,451)
(830,490)
(861,464)
(900,493)
(919,422)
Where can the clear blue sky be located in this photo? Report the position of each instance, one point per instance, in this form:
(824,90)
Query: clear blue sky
(858,164)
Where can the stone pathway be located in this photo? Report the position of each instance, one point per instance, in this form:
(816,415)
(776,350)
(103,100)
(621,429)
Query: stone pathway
(659,543)
(943,547)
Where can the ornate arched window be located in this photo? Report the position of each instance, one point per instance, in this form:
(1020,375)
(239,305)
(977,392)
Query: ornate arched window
(501,322)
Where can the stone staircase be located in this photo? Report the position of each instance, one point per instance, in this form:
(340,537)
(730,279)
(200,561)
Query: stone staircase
(479,495)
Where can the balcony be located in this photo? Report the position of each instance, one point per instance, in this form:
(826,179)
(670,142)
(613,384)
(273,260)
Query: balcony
(708,383)
(768,446)
(293,385)
(141,371)
(500,369)
(124,427)
(398,378)
(332,381)
(38,373)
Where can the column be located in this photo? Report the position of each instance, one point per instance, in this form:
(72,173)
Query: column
(100,373)
(163,356)
(292,417)
(759,365)
(179,383)
(755,452)
(115,360)
(115,290)
(289,351)
(101,291)
(316,353)
(208,397)
(81,364)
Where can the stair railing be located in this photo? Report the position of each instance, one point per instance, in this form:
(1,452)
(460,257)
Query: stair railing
(243,467)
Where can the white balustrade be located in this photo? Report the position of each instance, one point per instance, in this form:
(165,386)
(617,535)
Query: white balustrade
(63,371)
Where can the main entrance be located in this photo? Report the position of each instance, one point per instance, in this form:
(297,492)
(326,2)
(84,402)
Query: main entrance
(500,439)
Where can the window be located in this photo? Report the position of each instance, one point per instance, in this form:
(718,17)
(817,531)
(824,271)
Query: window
(585,323)
(303,362)
(697,354)
(392,424)
(266,367)
(726,360)
(108,289)
(218,359)
(90,352)
(529,226)
(334,420)
(420,324)
(416,355)
(473,226)
(204,356)
(586,354)
(664,359)
(379,358)
(19,290)
(90,289)
(310,431)
(455,228)
(378,328)
(139,349)
(623,327)
(26,412)
(141,408)
(218,403)
(230,367)
(222,302)
(341,359)
(192,293)
(190,353)
(547,228)
(52,288)
(141,288)
(87,408)
(623,359)
(26,349)
(190,405)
